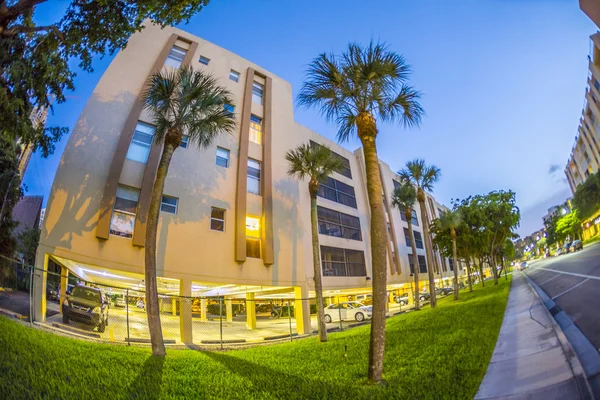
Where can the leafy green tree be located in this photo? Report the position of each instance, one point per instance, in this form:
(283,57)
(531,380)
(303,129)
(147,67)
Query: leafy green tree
(550,225)
(569,226)
(423,176)
(10,193)
(180,102)
(363,85)
(27,243)
(449,221)
(404,198)
(315,163)
(587,196)
(34,59)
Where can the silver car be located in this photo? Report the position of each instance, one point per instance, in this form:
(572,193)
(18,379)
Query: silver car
(349,310)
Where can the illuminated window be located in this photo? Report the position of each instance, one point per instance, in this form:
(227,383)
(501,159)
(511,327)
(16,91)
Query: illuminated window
(253,237)
(175,57)
(255,129)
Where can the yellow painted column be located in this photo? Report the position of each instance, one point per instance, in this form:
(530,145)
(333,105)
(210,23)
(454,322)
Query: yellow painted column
(185,311)
(250,311)
(302,310)
(40,276)
(174,306)
(64,282)
(203,309)
(229,310)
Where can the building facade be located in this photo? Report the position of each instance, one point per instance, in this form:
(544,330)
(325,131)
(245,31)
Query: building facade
(232,222)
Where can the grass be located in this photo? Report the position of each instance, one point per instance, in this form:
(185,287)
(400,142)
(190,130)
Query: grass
(439,353)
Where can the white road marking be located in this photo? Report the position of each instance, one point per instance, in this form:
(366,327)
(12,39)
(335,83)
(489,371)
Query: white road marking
(571,288)
(548,280)
(569,273)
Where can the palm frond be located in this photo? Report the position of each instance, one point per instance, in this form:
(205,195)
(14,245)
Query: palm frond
(404,196)
(312,161)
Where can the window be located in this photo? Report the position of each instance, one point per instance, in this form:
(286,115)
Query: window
(258,91)
(342,262)
(234,76)
(413,213)
(422,264)
(586,156)
(253,180)
(594,98)
(169,204)
(229,109)
(204,60)
(335,223)
(451,264)
(255,129)
(175,57)
(185,141)
(596,84)
(123,217)
(141,142)
(337,191)
(346,171)
(252,237)
(222,157)
(396,184)
(440,212)
(217,219)
(418,239)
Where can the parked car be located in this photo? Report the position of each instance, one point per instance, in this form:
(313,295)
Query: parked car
(87,305)
(445,291)
(560,251)
(576,245)
(402,299)
(51,293)
(350,310)
(120,301)
(524,265)
(424,296)
(567,246)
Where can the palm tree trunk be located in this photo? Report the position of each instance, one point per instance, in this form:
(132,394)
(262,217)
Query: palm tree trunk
(455,264)
(317,268)
(152,310)
(413,245)
(467,261)
(367,132)
(428,251)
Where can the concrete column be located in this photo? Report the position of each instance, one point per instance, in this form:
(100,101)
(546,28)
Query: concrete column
(40,276)
(302,310)
(229,310)
(64,282)
(250,311)
(174,305)
(185,311)
(203,309)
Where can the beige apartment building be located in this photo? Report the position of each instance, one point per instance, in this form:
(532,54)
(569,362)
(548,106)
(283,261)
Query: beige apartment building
(232,222)
(585,154)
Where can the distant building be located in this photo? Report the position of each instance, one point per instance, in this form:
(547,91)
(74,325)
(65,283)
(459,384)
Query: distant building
(38,119)
(27,212)
(560,209)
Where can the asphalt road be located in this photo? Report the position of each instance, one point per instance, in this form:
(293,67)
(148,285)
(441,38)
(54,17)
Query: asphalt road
(573,282)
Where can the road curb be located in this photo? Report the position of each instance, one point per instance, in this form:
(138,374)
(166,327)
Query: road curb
(581,354)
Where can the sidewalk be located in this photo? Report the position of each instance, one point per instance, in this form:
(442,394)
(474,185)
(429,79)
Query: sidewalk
(532,359)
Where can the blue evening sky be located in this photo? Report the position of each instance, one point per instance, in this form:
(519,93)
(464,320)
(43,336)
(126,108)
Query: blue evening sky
(503,83)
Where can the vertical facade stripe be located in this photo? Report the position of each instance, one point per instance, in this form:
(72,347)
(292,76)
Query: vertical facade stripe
(139,232)
(267,186)
(394,261)
(242,171)
(114,173)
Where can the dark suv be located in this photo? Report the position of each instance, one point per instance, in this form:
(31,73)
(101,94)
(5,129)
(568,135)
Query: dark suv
(402,299)
(87,305)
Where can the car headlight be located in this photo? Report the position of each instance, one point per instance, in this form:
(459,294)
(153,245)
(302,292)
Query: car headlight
(96,310)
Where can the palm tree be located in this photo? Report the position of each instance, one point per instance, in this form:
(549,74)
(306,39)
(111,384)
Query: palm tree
(403,198)
(354,90)
(180,102)
(452,220)
(316,163)
(423,176)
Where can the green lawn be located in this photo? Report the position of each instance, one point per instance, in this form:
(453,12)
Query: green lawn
(441,353)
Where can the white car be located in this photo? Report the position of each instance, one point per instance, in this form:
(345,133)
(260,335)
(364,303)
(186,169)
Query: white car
(350,310)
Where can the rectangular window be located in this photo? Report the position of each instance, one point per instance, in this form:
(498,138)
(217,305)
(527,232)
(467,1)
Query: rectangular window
(337,191)
(141,142)
(222,157)
(422,264)
(258,92)
(451,263)
(253,180)
(123,217)
(255,129)
(217,219)
(169,204)
(335,223)
(234,76)
(229,109)
(253,237)
(346,171)
(414,220)
(175,57)
(418,239)
(204,60)
(185,141)
(596,84)
(342,262)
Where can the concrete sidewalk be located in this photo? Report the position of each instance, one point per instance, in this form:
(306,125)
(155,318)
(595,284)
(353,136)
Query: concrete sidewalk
(532,358)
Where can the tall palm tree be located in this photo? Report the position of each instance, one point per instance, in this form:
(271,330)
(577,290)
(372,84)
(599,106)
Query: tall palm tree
(452,220)
(353,90)
(403,198)
(423,176)
(316,163)
(180,102)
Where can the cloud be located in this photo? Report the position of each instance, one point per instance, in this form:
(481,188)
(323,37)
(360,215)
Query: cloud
(553,168)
